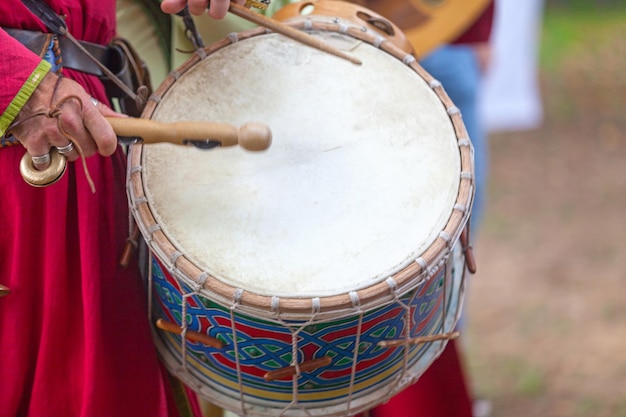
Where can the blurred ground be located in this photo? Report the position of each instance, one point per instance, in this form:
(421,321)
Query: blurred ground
(547,309)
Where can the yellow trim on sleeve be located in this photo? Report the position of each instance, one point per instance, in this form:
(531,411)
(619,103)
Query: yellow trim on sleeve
(23,95)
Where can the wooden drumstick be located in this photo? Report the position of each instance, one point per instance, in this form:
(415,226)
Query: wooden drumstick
(289,32)
(289,371)
(189,334)
(418,340)
(250,136)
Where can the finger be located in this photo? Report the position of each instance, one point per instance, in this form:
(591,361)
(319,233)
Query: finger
(173,6)
(105,110)
(39,150)
(218,8)
(100,130)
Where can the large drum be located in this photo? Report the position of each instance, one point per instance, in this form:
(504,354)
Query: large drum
(322,276)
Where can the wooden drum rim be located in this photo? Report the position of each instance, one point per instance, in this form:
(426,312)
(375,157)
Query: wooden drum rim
(375,295)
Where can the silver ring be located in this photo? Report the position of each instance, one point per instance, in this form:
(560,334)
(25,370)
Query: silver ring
(94,101)
(65,149)
(41,159)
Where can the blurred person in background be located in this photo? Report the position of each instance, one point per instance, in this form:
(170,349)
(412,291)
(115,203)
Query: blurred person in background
(510,97)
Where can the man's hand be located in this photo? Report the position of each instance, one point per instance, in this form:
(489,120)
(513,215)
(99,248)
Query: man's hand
(218,8)
(85,124)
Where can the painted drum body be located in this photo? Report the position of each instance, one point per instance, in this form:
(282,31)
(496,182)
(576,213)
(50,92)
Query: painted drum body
(342,235)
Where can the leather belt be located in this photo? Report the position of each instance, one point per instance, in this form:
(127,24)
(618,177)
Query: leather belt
(72,56)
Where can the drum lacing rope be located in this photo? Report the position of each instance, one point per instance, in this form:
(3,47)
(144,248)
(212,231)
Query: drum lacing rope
(195,291)
(183,333)
(408,59)
(237,295)
(408,321)
(174,74)
(432,270)
(444,308)
(201,53)
(378,40)
(407,336)
(295,331)
(308,24)
(445,236)
(139,201)
(275,304)
(233,37)
(316,306)
(154,228)
(341,26)
(356,304)
(155,98)
(392,284)
(464,142)
(174,257)
(452,110)
(422,263)
(460,207)
(434,83)
(201,280)
(296,365)
(151,230)
(150,279)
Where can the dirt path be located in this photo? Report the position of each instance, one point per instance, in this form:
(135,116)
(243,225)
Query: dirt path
(547,309)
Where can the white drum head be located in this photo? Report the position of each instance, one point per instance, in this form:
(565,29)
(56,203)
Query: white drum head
(361,177)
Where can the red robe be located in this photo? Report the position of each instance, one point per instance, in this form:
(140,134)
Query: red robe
(440,392)
(74,336)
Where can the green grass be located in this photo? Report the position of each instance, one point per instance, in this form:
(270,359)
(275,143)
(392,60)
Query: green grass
(587,407)
(528,380)
(569,24)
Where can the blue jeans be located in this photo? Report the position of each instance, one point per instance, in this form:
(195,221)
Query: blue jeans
(456,67)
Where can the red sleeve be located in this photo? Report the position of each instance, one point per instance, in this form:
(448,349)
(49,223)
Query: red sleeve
(480,31)
(16,64)
(93,21)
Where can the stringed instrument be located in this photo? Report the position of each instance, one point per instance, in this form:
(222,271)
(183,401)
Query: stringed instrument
(428,23)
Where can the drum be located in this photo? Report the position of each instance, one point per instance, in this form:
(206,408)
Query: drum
(325,274)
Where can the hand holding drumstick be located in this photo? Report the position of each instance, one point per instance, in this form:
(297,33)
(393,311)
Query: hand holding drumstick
(79,126)
(219,8)
(95,135)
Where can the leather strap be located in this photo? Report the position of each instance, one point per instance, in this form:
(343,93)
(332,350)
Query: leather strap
(73,57)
